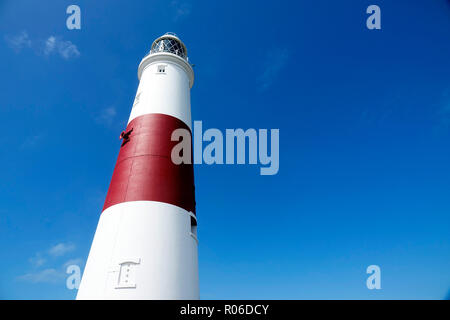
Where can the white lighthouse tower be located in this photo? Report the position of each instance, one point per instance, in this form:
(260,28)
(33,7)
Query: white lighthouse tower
(145,245)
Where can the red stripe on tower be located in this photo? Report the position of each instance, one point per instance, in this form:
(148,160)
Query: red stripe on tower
(144,169)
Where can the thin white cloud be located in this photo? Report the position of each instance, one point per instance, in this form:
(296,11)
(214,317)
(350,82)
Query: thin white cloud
(106,116)
(49,275)
(50,45)
(181,9)
(276,59)
(66,49)
(37,260)
(53,45)
(32,141)
(61,249)
(18,42)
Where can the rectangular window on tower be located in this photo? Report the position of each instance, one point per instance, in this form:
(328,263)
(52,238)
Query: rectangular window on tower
(193,232)
(161,69)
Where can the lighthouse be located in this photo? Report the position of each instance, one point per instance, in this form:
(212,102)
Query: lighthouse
(145,245)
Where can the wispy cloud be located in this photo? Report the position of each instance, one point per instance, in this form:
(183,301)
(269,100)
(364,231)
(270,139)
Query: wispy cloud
(32,141)
(275,61)
(66,49)
(106,116)
(52,45)
(49,275)
(181,9)
(37,260)
(18,42)
(61,249)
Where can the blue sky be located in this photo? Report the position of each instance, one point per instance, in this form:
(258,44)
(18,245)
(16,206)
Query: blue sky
(364,119)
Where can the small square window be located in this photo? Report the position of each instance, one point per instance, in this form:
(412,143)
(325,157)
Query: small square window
(161,69)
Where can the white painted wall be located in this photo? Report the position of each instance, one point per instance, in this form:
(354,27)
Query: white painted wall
(166,93)
(155,240)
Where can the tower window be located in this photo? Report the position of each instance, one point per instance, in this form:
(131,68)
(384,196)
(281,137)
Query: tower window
(161,69)
(193,232)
